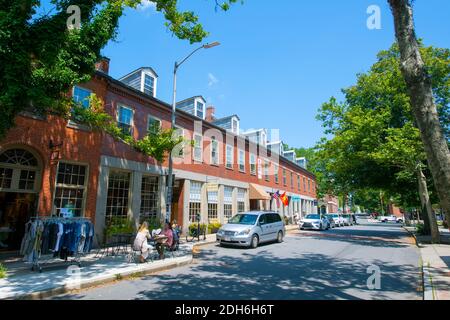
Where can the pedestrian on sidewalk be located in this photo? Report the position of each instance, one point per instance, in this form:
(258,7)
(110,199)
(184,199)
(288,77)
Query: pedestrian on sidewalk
(141,244)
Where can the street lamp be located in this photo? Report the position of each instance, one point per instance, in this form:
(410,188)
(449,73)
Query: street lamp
(174,106)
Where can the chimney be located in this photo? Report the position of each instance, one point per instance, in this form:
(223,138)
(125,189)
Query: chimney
(102,65)
(210,114)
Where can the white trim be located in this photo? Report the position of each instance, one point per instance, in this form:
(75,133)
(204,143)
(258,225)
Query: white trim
(227,164)
(154,118)
(201,147)
(239,160)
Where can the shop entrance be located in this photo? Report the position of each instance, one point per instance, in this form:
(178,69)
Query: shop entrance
(16,209)
(20,181)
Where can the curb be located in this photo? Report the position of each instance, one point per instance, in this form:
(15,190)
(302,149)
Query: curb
(67,288)
(412,235)
(428,290)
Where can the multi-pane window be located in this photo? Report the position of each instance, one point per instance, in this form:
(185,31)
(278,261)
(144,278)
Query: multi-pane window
(214,151)
(292,180)
(298,182)
(178,151)
(242,160)
(195,201)
(5,177)
(252,164)
(228,202)
(213,197)
(304,184)
(70,189)
(149,197)
(149,85)
(235,126)
(200,107)
(125,119)
(241,200)
(81,96)
(275,172)
(229,157)
(26,180)
(153,125)
(309,185)
(118,194)
(284,177)
(266,170)
(198,147)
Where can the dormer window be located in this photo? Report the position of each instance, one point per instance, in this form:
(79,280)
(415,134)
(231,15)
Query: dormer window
(142,79)
(235,126)
(149,84)
(200,110)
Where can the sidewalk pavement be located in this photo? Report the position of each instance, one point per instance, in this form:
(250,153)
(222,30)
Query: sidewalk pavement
(435,265)
(22,283)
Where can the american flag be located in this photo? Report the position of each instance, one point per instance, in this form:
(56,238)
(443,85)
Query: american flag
(276,196)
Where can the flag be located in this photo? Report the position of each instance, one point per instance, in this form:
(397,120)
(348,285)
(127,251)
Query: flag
(284,199)
(276,196)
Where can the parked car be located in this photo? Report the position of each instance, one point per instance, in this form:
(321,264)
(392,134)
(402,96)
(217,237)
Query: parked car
(314,222)
(249,229)
(331,220)
(337,218)
(347,219)
(391,218)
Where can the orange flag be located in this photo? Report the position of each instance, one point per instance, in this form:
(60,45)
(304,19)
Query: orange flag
(284,199)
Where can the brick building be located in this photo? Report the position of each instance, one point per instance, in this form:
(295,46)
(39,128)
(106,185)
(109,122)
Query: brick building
(46,164)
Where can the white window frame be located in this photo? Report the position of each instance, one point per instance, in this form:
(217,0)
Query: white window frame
(179,149)
(62,185)
(196,109)
(214,163)
(276,170)
(241,160)
(143,74)
(120,106)
(253,162)
(150,117)
(229,165)
(197,147)
(73,93)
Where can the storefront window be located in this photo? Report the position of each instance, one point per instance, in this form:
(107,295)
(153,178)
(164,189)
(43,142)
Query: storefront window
(118,195)
(195,201)
(149,197)
(70,190)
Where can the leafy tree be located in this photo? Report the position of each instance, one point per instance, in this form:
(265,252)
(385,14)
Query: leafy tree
(376,144)
(41,59)
(422,91)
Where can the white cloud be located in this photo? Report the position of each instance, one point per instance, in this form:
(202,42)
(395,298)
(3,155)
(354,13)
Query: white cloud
(212,80)
(146,4)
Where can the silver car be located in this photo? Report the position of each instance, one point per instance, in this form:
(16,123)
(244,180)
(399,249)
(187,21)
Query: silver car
(249,229)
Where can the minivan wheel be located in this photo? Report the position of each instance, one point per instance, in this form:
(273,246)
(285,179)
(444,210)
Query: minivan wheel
(254,243)
(280,237)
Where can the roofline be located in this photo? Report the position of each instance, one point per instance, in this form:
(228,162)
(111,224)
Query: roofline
(228,117)
(199,96)
(138,69)
(188,115)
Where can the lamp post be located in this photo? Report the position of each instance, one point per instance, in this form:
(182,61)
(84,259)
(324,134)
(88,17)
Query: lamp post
(169,193)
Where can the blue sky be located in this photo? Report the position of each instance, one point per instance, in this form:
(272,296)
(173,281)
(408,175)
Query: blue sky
(279,60)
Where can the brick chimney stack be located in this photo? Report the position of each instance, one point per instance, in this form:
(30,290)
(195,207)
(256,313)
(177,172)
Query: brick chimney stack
(102,65)
(210,114)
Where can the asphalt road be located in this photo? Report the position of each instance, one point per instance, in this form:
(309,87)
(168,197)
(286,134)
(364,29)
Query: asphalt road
(307,265)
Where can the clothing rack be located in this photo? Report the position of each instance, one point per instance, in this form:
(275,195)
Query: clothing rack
(37,264)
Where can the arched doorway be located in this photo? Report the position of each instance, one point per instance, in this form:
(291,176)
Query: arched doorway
(20,181)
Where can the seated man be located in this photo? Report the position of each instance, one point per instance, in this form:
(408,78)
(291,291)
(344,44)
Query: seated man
(168,232)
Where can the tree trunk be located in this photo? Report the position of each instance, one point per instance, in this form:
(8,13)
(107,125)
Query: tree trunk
(427,209)
(422,102)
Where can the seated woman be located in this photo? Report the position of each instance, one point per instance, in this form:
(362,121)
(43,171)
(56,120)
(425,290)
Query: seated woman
(167,231)
(141,244)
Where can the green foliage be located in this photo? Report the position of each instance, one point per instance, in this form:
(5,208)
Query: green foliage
(420,229)
(213,227)
(40,59)
(3,271)
(153,223)
(375,144)
(119,225)
(193,228)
